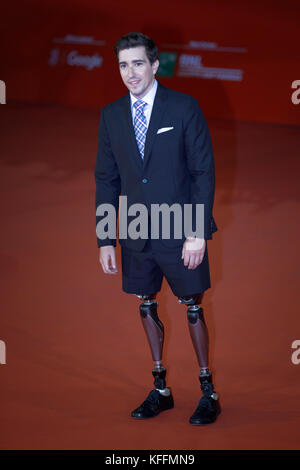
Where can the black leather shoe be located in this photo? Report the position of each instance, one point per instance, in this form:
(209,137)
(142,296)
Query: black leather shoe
(154,404)
(208,407)
(206,412)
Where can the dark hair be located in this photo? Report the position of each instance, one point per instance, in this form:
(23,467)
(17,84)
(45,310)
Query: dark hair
(134,40)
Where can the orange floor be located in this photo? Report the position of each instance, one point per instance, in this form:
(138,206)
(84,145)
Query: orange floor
(77,359)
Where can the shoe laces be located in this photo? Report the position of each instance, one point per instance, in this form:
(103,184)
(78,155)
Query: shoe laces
(152,399)
(205,402)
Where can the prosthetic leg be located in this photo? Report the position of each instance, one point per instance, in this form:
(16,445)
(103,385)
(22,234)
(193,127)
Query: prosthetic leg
(159,399)
(208,407)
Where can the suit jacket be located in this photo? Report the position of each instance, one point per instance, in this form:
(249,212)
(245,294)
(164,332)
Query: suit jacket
(178,165)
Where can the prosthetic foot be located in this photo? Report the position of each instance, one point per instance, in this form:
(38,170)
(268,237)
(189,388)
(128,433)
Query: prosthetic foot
(160,399)
(208,407)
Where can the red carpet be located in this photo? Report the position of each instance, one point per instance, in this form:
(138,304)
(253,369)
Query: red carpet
(77,360)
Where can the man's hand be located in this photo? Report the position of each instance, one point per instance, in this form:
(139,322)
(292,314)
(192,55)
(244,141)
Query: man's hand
(107,259)
(193,252)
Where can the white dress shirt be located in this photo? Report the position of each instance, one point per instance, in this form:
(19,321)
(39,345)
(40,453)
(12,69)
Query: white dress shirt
(149,99)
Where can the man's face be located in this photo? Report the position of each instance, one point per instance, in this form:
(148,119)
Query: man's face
(136,71)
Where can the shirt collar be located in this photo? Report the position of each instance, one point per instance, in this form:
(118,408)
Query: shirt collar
(148,98)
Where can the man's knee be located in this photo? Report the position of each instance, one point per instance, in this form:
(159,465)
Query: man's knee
(149,308)
(147,298)
(149,305)
(191,300)
(195,311)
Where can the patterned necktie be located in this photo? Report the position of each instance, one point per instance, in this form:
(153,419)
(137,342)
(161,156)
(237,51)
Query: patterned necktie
(140,125)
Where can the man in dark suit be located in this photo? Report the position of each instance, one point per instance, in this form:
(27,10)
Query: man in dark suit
(154,150)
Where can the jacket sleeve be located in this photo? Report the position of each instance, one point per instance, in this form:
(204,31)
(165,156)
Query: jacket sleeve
(200,163)
(107,178)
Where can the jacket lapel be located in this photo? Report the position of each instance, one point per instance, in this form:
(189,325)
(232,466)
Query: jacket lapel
(159,107)
(133,147)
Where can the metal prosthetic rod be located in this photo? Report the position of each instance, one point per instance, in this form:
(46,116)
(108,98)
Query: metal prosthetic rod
(159,374)
(159,377)
(207,386)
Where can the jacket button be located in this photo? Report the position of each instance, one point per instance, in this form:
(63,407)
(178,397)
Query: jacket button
(144,180)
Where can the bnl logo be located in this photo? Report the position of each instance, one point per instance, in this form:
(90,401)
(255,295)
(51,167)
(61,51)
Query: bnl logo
(2,92)
(2,352)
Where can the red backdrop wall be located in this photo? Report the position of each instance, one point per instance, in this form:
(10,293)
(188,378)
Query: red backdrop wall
(238,58)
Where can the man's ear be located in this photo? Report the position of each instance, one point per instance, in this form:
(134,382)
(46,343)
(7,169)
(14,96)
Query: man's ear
(155,66)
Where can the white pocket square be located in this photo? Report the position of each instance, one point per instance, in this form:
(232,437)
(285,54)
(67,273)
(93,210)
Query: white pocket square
(164,129)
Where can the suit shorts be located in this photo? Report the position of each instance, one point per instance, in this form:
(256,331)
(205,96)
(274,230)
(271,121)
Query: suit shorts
(143,271)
